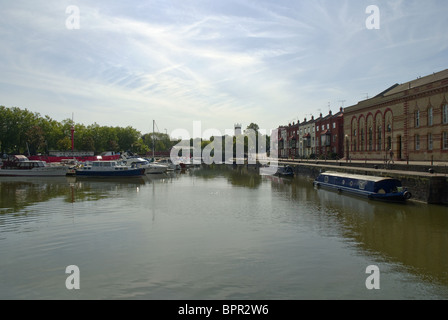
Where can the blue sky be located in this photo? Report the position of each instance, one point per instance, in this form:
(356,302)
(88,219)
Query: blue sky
(218,62)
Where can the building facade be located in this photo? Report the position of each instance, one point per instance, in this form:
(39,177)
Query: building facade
(410,119)
(329,135)
(321,137)
(307,138)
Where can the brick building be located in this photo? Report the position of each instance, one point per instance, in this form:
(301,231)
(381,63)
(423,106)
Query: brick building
(411,119)
(330,135)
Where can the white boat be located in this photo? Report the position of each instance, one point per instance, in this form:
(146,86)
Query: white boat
(167,162)
(150,168)
(20,165)
(108,169)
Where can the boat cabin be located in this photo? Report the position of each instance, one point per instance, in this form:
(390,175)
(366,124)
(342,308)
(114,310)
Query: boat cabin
(21,162)
(370,186)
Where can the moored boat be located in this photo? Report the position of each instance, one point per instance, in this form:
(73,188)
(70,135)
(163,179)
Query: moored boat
(20,165)
(169,164)
(285,171)
(371,187)
(150,168)
(108,169)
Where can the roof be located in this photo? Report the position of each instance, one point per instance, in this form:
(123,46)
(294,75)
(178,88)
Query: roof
(421,81)
(356,176)
(397,90)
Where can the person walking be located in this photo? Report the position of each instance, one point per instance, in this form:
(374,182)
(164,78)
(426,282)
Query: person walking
(391,156)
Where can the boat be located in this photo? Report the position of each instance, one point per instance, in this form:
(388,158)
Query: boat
(108,169)
(285,171)
(20,165)
(150,168)
(170,165)
(371,187)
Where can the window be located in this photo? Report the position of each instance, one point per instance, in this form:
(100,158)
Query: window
(389,128)
(445,141)
(334,125)
(417,142)
(370,139)
(430,117)
(354,133)
(323,127)
(317,129)
(380,140)
(430,141)
(417,118)
(362,140)
(445,114)
(328,126)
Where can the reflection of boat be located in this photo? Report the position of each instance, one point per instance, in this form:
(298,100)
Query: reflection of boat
(108,169)
(20,165)
(372,187)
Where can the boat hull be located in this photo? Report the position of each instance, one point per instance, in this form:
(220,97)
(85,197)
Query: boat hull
(36,172)
(111,173)
(370,187)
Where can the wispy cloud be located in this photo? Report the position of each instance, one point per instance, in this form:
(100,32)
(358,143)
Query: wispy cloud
(218,62)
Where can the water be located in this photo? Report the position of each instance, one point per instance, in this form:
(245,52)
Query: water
(219,233)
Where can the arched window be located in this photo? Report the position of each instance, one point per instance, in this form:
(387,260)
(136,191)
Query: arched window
(380,138)
(389,143)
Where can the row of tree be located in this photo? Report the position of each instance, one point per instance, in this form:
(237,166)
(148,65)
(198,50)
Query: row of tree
(23,132)
(26,132)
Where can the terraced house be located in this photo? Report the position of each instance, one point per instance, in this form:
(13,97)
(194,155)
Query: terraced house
(411,119)
(314,138)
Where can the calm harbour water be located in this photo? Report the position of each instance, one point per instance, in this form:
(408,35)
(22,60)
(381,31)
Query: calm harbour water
(217,233)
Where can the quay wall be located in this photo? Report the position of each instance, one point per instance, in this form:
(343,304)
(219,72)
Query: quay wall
(431,188)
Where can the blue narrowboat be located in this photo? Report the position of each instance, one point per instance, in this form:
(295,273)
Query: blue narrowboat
(372,187)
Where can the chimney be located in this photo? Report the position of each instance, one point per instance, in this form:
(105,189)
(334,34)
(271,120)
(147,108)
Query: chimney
(340,109)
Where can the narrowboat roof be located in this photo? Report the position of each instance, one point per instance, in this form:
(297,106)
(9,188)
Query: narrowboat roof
(356,176)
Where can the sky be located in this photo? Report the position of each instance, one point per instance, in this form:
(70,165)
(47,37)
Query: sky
(213,62)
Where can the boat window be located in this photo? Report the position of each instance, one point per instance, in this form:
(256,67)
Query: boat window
(362,184)
(326,179)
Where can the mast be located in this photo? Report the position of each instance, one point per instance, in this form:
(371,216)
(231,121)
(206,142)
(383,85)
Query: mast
(73,133)
(153,142)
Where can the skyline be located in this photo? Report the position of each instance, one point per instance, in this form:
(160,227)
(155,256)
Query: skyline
(221,63)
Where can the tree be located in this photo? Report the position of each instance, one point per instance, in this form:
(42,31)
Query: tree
(254,127)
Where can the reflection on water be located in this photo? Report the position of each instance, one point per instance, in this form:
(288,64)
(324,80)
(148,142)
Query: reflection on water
(217,233)
(413,234)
